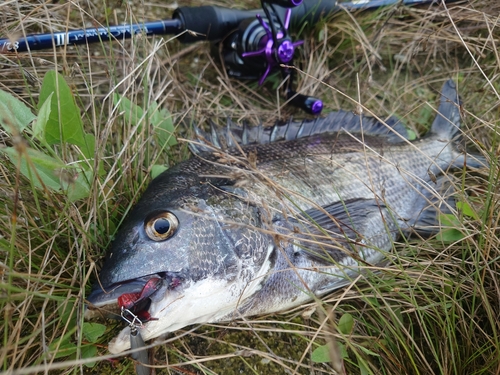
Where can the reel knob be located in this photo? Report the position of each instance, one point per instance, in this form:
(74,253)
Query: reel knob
(260,45)
(274,48)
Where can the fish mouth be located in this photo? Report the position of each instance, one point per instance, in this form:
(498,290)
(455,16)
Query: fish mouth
(104,301)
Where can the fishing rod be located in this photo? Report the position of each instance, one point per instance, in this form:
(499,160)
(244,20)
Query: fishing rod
(254,42)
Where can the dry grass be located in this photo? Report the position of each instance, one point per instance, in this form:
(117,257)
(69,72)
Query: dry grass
(433,309)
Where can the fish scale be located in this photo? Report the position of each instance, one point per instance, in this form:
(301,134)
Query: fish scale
(299,175)
(290,213)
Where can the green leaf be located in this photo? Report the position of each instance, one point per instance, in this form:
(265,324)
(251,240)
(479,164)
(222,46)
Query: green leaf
(346,322)
(64,124)
(92,331)
(90,142)
(398,314)
(425,115)
(78,188)
(467,210)
(450,235)
(368,351)
(343,350)
(157,169)
(46,167)
(66,312)
(14,114)
(363,370)
(160,119)
(63,346)
(411,135)
(65,349)
(163,126)
(42,169)
(43,116)
(321,35)
(89,351)
(372,301)
(321,354)
(449,220)
(133,113)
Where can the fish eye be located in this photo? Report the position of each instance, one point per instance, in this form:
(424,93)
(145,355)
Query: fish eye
(161,226)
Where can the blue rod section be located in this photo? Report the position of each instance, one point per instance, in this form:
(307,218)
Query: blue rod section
(91,35)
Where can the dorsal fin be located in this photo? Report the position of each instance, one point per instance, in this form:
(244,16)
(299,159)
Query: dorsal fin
(334,122)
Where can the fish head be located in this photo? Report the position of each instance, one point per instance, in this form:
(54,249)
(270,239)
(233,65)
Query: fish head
(199,239)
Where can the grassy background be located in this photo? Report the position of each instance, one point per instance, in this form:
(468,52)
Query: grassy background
(433,309)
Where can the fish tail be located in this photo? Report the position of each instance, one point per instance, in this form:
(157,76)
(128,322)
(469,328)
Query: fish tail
(447,126)
(447,122)
(439,197)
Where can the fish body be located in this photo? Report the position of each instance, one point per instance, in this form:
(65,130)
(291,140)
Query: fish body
(262,220)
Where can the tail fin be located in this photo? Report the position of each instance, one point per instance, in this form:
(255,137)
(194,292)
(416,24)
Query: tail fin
(439,198)
(436,199)
(447,126)
(447,121)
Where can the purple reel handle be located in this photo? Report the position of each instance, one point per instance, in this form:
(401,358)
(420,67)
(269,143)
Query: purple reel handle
(274,53)
(275,48)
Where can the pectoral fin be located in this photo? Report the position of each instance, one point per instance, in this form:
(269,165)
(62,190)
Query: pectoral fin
(343,229)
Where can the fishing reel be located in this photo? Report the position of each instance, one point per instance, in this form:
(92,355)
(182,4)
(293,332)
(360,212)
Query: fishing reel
(262,45)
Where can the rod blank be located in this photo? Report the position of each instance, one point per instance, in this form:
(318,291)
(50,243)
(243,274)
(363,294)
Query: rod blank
(91,35)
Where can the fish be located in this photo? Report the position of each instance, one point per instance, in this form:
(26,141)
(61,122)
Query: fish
(260,220)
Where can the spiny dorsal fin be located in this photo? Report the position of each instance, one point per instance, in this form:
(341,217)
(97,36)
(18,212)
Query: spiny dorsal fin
(334,122)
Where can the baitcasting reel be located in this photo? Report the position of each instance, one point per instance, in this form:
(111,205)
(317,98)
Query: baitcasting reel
(263,44)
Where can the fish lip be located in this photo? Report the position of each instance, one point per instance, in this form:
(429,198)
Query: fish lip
(104,295)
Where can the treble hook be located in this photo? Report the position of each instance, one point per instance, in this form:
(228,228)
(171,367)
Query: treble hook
(135,322)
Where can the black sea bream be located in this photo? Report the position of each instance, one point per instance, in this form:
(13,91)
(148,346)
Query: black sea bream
(261,220)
